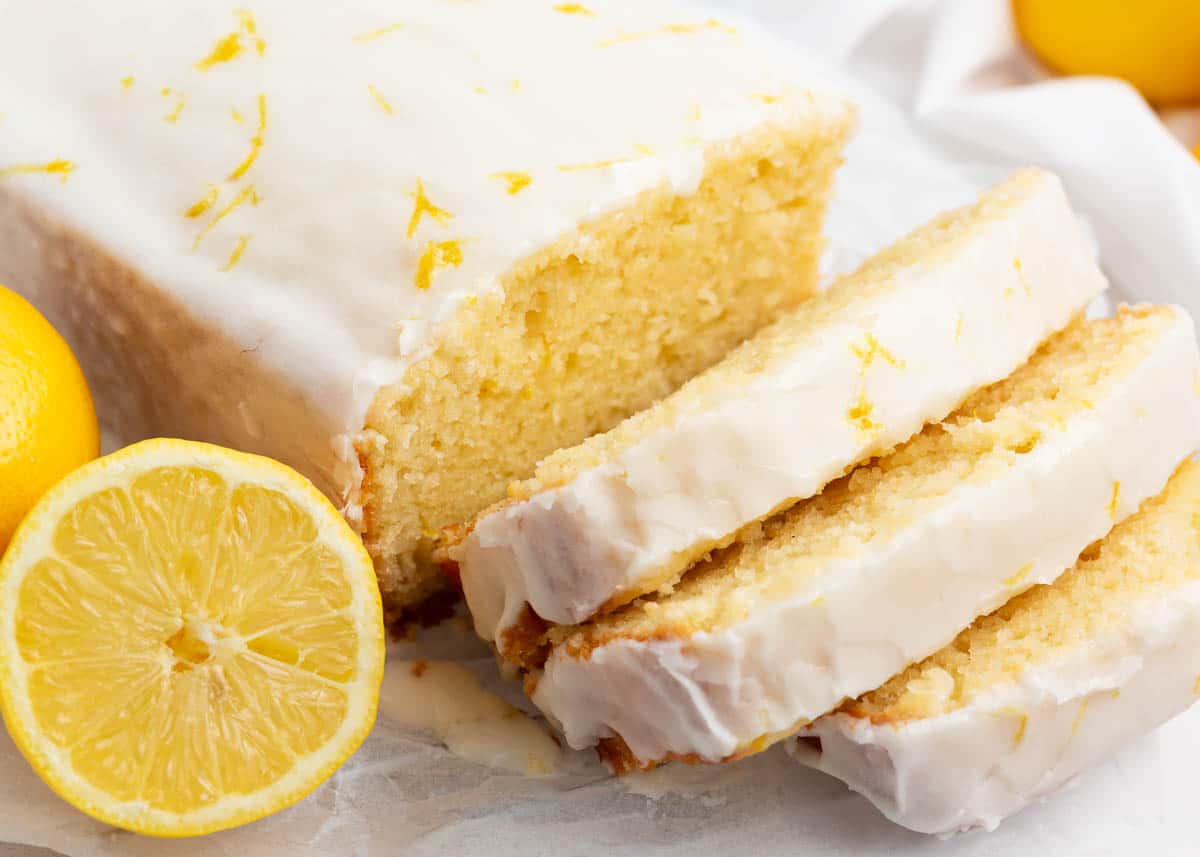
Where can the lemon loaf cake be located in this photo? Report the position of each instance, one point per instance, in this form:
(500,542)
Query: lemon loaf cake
(953,307)
(1034,693)
(888,564)
(410,250)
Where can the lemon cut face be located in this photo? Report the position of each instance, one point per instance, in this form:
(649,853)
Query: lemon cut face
(192,638)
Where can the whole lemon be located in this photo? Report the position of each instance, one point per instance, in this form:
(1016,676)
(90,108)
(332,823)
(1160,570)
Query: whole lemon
(47,420)
(1153,44)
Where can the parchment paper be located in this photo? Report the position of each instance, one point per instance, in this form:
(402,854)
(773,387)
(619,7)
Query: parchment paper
(948,104)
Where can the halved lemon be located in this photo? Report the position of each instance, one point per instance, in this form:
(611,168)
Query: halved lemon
(190,638)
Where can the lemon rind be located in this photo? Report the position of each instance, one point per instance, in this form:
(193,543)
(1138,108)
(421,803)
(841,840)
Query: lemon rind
(32,541)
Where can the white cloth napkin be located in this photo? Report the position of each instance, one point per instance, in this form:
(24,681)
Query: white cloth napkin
(949,102)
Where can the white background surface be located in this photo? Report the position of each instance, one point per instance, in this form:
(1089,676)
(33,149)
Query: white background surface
(954,106)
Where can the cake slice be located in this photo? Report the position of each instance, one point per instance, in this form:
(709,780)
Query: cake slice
(410,250)
(888,564)
(953,307)
(1034,693)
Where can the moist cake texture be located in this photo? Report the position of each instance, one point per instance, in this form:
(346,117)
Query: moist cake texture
(886,565)
(1035,692)
(956,305)
(408,250)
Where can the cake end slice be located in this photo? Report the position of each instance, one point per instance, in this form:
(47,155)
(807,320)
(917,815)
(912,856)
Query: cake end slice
(1036,692)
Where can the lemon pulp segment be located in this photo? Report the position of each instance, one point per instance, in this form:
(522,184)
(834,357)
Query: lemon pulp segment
(191,649)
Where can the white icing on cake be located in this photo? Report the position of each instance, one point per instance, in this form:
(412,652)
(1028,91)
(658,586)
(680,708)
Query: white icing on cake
(261,160)
(445,698)
(864,617)
(948,326)
(978,764)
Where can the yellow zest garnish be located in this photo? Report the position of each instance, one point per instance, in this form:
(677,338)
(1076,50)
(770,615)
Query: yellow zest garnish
(238,249)
(641,148)
(421,207)
(710,24)
(958,328)
(229,48)
(173,116)
(820,599)
(1116,694)
(592,165)
(479,90)
(1024,280)
(516,85)
(1116,494)
(237,115)
(58,167)
(378,33)
(251,30)
(694,113)
(766,98)
(439,254)
(256,142)
(859,414)
(225,50)
(380,100)
(574,9)
(1020,575)
(516,181)
(872,350)
(1020,736)
(1079,717)
(247,193)
(670,29)
(205,203)
(127,83)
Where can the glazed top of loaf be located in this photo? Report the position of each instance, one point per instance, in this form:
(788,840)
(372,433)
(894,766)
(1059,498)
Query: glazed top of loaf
(328,182)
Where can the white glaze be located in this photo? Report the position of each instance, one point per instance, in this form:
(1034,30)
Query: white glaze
(325,290)
(735,454)
(864,617)
(446,699)
(976,765)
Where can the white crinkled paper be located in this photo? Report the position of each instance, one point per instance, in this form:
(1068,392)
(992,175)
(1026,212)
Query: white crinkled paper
(948,103)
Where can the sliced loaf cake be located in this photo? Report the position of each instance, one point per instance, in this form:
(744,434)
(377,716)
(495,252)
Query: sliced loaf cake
(409,249)
(888,564)
(953,307)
